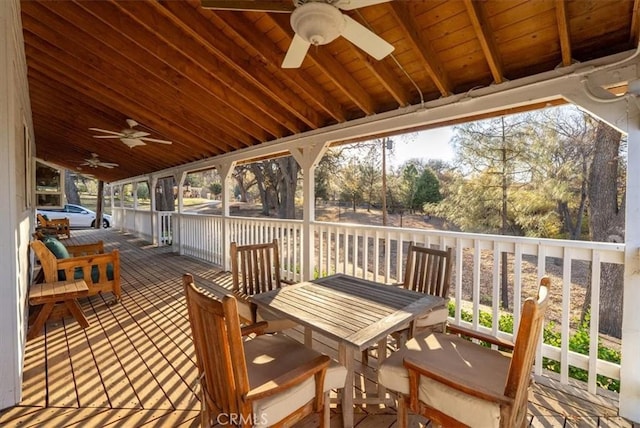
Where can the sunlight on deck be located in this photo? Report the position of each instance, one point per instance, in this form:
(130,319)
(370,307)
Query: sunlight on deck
(135,365)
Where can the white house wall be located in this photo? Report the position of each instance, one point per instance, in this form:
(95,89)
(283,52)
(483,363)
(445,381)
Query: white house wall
(16,207)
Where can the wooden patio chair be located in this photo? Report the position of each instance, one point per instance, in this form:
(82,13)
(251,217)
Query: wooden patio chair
(268,380)
(456,382)
(100,271)
(256,269)
(428,271)
(59,227)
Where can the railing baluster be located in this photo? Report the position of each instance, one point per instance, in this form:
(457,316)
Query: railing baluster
(594,321)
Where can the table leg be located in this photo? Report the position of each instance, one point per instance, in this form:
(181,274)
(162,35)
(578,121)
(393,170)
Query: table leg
(308,337)
(382,355)
(346,356)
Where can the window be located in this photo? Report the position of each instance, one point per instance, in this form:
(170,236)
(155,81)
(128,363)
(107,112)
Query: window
(49,185)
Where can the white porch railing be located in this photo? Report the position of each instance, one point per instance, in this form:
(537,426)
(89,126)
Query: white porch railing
(379,253)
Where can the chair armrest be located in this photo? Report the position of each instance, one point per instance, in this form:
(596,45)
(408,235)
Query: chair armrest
(85,249)
(417,368)
(289,379)
(257,328)
(481,336)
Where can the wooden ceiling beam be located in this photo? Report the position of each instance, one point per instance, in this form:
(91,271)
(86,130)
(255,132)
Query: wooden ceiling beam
(484,33)
(563,31)
(77,74)
(184,141)
(385,76)
(66,152)
(167,35)
(143,41)
(190,22)
(271,55)
(115,49)
(332,69)
(426,54)
(71,116)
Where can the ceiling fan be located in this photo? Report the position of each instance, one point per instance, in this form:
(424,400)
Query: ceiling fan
(94,162)
(130,136)
(316,22)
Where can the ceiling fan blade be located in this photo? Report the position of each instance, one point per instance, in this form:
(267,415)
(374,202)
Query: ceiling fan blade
(278,6)
(296,53)
(139,134)
(154,140)
(108,136)
(365,39)
(105,131)
(356,4)
(108,165)
(133,142)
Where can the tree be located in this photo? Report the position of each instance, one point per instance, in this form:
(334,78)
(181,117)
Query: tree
(244,178)
(350,184)
(70,189)
(607,223)
(499,147)
(563,152)
(216,189)
(326,171)
(165,198)
(427,190)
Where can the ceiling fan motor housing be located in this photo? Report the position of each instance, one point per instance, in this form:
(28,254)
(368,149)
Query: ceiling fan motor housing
(317,23)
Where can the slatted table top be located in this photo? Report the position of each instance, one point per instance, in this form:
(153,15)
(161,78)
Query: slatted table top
(45,292)
(348,309)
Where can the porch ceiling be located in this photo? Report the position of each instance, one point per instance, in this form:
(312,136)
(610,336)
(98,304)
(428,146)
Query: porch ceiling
(211,82)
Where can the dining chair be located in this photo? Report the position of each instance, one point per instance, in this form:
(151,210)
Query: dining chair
(255,269)
(428,271)
(456,382)
(266,380)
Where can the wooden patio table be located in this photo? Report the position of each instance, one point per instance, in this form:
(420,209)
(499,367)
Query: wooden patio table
(355,312)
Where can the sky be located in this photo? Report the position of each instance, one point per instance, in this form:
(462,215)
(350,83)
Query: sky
(430,144)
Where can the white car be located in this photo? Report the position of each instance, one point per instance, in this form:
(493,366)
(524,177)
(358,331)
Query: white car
(78,216)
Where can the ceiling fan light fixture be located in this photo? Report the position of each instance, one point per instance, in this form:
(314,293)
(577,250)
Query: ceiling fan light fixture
(317,23)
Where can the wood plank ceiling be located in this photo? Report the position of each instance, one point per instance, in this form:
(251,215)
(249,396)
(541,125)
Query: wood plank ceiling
(211,82)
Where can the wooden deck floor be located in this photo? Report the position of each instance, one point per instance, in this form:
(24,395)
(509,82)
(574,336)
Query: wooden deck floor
(134,365)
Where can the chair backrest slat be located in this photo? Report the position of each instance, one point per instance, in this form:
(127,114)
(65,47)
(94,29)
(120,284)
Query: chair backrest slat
(428,270)
(255,268)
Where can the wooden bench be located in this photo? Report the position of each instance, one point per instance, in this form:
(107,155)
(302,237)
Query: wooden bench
(50,294)
(90,258)
(59,227)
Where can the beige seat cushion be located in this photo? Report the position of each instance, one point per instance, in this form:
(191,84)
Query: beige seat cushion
(433,317)
(270,356)
(464,360)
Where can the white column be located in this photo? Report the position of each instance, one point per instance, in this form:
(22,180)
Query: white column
(155,232)
(308,158)
(629,367)
(180,177)
(225,170)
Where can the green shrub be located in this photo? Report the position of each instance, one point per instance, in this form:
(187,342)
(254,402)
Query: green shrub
(578,342)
